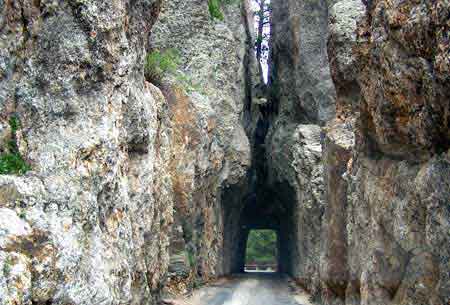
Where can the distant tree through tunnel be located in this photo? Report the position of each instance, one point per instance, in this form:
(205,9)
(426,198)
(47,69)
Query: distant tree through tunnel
(261,251)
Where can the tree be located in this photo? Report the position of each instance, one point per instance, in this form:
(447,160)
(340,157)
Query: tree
(262,247)
(262,19)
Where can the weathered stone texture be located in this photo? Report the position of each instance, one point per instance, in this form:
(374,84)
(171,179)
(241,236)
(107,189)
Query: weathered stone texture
(302,98)
(344,16)
(89,224)
(300,78)
(207,97)
(397,231)
(110,154)
(404,62)
(393,187)
(337,144)
(400,177)
(132,186)
(302,94)
(295,177)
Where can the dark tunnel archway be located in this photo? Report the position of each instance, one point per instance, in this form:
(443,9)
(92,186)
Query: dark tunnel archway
(256,203)
(270,208)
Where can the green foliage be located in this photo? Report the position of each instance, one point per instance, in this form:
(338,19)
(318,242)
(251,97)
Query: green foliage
(161,63)
(191,258)
(261,247)
(214,9)
(22,215)
(188,84)
(158,64)
(197,283)
(11,162)
(7,267)
(187,230)
(14,123)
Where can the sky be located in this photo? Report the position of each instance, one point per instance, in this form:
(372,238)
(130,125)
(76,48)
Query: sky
(264,61)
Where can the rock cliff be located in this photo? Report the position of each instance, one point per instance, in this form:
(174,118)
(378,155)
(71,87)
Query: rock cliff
(89,223)
(137,148)
(399,180)
(208,99)
(387,179)
(302,98)
(370,208)
(299,68)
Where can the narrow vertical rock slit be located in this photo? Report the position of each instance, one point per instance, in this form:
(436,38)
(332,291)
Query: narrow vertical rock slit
(142,142)
(261,15)
(283,187)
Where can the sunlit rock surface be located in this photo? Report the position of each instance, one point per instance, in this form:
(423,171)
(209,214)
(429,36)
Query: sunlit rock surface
(89,224)
(392,92)
(136,187)
(208,99)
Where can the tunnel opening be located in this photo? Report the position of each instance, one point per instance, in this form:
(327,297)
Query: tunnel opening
(261,253)
(260,201)
(262,207)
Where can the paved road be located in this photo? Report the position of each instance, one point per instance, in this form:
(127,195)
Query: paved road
(249,289)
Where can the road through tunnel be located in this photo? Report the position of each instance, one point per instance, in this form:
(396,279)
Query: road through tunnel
(265,209)
(284,187)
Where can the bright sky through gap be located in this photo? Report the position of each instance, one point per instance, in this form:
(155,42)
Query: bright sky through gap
(265,57)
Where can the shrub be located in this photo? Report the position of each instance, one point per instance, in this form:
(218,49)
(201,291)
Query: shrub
(7,267)
(191,259)
(187,230)
(11,162)
(14,124)
(158,64)
(215,10)
(197,283)
(261,247)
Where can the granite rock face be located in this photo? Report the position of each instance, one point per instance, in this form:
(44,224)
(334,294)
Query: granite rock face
(399,181)
(344,16)
(135,188)
(126,179)
(89,223)
(381,221)
(403,56)
(337,144)
(300,78)
(338,141)
(397,230)
(302,98)
(386,208)
(295,175)
(208,98)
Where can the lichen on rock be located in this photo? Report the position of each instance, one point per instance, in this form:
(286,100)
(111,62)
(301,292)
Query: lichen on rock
(206,96)
(138,150)
(92,229)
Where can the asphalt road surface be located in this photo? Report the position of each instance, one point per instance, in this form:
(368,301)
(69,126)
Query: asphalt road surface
(250,289)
